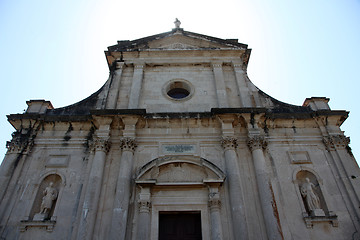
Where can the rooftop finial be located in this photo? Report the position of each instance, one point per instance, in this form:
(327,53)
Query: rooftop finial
(177,23)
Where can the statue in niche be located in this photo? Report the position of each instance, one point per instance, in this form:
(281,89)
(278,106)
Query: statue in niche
(311,198)
(49,196)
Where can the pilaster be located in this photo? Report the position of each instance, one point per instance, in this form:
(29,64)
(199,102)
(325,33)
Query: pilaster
(220,85)
(115,86)
(242,86)
(214,206)
(136,86)
(18,148)
(143,226)
(338,152)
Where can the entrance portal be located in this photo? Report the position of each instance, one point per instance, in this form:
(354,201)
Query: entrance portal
(180,226)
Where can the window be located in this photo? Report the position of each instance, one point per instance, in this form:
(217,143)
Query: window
(178,90)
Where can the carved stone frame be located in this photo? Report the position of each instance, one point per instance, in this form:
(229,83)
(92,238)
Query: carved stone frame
(202,186)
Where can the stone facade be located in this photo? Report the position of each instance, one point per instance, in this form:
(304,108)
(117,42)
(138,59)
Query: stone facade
(179,128)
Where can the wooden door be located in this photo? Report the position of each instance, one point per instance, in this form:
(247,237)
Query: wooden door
(180,226)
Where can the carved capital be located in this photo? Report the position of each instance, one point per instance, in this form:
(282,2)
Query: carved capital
(214,201)
(237,65)
(229,143)
(217,65)
(138,66)
(339,141)
(144,206)
(100,144)
(19,144)
(256,142)
(128,144)
(119,65)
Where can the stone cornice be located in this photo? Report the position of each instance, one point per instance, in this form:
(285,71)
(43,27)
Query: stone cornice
(256,142)
(303,113)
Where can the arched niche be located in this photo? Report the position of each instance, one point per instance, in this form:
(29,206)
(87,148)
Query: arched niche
(46,197)
(180,170)
(308,186)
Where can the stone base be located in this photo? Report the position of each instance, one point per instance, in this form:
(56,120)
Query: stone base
(40,217)
(317,213)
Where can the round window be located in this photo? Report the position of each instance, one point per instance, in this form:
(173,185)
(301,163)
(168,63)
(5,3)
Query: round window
(178,90)
(178,93)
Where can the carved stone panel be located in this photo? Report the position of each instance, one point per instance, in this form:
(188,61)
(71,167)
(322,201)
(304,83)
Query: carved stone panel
(299,157)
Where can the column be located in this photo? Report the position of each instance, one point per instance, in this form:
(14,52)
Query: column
(122,194)
(336,145)
(220,85)
(256,144)
(100,147)
(136,86)
(214,206)
(242,86)
(233,179)
(143,226)
(15,157)
(12,157)
(115,86)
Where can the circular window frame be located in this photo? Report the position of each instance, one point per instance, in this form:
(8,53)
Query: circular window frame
(178,83)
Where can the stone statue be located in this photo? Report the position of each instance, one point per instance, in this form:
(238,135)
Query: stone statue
(177,23)
(311,198)
(50,194)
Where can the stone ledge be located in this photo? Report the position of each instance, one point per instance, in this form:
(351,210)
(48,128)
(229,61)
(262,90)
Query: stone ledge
(48,224)
(310,220)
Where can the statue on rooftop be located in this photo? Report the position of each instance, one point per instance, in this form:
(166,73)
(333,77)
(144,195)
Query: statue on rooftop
(177,23)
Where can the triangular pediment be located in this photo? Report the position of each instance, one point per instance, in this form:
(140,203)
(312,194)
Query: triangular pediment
(177,39)
(180,41)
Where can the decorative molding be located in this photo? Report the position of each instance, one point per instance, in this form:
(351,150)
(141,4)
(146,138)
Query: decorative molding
(128,144)
(100,144)
(256,142)
(229,143)
(340,141)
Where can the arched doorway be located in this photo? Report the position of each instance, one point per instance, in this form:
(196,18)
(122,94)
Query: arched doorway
(178,189)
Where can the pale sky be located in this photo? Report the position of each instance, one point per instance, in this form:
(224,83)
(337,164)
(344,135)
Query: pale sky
(54,50)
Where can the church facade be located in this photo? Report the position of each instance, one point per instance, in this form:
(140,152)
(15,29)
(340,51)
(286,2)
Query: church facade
(179,144)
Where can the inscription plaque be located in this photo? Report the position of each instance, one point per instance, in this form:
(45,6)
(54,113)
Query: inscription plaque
(179,148)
